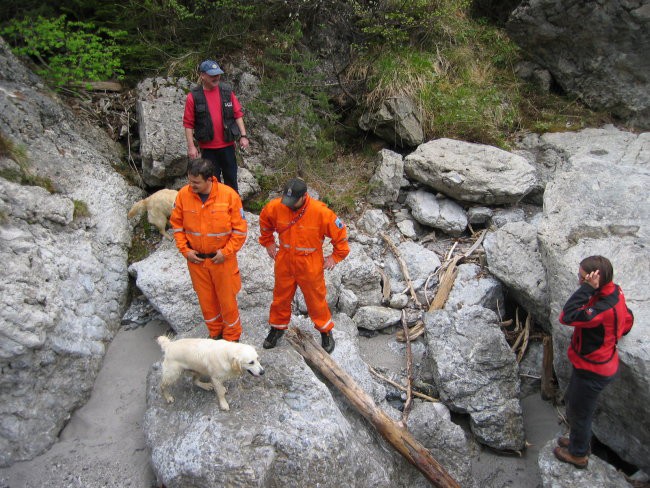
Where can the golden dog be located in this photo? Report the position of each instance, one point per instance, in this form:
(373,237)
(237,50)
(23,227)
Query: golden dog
(219,360)
(159,208)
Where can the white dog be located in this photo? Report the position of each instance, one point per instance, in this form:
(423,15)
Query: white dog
(159,208)
(219,360)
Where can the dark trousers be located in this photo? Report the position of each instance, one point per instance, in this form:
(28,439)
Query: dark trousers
(224,163)
(581,398)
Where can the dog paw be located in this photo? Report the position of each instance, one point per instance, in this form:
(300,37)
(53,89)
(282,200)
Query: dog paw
(224,406)
(170,399)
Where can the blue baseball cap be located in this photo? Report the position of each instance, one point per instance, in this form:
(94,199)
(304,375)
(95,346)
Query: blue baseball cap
(210,67)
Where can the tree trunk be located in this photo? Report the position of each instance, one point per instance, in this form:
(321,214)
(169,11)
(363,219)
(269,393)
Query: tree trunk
(395,433)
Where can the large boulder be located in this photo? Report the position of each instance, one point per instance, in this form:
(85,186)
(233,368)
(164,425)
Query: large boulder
(476,373)
(513,256)
(309,435)
(471,172)
(159,108)
(595,51)
(396,120)
(387,178)
(64,286)
(556,474)
(440,213)
(598,206)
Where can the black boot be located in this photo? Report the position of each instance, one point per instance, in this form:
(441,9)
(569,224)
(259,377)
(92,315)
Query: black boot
(272,339)
(327,341)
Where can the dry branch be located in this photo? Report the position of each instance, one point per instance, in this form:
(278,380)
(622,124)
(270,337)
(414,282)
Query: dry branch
(409,372)
(402,265)
(400,438)
(548,390)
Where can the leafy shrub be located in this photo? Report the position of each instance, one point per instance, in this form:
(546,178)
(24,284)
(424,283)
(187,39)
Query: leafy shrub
(67,52)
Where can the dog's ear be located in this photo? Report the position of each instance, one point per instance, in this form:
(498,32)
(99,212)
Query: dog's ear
(236,365)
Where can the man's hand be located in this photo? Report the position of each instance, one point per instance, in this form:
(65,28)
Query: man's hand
(244,143)
(192,152)
(218,258)
(272,250)
(329,262)
(193,258)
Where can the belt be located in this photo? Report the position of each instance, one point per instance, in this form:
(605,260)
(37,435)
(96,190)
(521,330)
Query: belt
(206,256)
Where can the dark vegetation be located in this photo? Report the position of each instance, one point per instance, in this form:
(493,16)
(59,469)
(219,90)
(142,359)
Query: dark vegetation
(327,61)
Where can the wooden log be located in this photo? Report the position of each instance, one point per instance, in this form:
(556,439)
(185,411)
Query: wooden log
(397,435)
(548,389)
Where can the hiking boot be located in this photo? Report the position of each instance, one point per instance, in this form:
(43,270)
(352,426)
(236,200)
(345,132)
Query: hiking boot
(215,338)
(327,341)
(564,442)
(272,339)
(563,454)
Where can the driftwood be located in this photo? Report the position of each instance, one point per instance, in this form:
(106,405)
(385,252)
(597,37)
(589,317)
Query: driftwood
(409,372)
(385,286)
(400,438)
(402,265)
(403,388)
(548,389)
(449,275)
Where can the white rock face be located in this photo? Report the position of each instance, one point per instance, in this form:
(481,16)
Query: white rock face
(471,172)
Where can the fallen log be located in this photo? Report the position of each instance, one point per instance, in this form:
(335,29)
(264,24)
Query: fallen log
(395,433)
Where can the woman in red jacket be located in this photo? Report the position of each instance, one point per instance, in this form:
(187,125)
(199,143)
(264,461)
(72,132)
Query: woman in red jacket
(600,317)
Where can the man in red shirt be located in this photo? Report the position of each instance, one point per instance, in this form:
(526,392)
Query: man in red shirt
(215,122)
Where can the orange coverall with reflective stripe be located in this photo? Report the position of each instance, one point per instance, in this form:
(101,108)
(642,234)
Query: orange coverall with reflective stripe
(299,261)
(218,223)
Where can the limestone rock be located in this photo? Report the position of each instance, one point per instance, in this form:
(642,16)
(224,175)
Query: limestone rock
(471,172)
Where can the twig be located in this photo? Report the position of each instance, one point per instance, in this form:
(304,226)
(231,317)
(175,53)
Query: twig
(409,371)
(426,286)
(385,289)
(402,265)
(526,333)
(402,388)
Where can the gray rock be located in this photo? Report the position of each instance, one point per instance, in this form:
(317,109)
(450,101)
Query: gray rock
(513,256)
(596,52)
(159,107)
(420,262)
(399,301)
(309,435)
(476,373)
(407,228)
(590,209)
(470,288)
(358,273)
(534,74)
(503,216)
(479,215)
(397,120)
(557,474)
(64,286)
(471,172)
(439,213)
(431,425)
(373,221)
(387,178)
(376,318)
(530,369)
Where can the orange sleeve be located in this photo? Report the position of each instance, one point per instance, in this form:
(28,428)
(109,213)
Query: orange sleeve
(267,225)
(335,229)
(176,221)
(238,224)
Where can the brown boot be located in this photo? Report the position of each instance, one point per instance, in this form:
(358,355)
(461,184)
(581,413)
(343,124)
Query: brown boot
(564,442)
(563,454)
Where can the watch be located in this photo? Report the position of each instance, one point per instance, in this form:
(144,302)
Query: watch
(243,135)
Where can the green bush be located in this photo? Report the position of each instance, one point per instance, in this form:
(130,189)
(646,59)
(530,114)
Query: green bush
(67,52)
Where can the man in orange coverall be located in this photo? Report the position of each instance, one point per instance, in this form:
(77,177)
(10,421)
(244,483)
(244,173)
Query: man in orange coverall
(209,227)
(301,224)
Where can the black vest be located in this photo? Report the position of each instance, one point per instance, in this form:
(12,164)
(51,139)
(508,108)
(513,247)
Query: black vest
(203,129)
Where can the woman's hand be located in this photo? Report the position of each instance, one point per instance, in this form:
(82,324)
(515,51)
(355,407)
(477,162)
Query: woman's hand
(593,279)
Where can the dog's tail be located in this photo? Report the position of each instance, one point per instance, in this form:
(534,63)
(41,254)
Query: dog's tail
(163,342)
(137,209)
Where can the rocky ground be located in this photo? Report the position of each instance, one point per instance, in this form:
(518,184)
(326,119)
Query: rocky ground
(103,443)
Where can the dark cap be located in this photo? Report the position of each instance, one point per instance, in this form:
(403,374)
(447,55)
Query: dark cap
(210,67)
(293,190)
